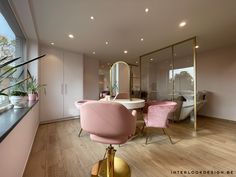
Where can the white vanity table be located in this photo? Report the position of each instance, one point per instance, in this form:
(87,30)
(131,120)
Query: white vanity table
(133,103)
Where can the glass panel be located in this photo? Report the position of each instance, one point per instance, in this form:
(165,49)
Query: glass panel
(168,74)
(7,48)
(135,81)
(7,39)
(156,84)
(11,46)
(183,70)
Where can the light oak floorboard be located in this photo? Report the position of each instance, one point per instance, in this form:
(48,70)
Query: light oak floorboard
(59,152)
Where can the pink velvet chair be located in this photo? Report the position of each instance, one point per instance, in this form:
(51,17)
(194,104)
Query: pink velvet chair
(108,123)
(78,104)
(157,115)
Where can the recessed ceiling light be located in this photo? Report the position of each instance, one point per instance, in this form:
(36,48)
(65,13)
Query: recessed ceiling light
(71,36)
(92,17)
(151,59)
(141,39)
(125,51)
(106,42)
(52,43)
(94,52)
(182,24)
(146,10)
(197,46)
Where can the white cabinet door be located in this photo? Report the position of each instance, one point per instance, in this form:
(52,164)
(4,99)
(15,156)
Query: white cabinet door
(73,82)
(51,74)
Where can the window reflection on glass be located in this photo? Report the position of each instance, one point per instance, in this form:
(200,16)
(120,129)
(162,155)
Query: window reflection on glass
(7,48)
(183,78)
(7,39)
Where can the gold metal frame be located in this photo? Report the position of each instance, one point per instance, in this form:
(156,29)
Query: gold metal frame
(194,39)
(129,79)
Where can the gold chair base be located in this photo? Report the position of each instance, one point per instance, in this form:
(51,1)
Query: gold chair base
(121,168)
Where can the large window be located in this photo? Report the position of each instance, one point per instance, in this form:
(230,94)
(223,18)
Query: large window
(11,46)
(7,39)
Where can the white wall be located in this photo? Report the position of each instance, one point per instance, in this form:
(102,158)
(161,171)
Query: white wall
(91,78)
(33,52)
(216,73)
(16,147)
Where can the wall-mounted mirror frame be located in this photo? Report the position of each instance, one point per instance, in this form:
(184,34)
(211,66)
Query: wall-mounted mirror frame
(171,59)
(115,79)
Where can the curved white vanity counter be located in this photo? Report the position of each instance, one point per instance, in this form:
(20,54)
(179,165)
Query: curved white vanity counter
(134,103)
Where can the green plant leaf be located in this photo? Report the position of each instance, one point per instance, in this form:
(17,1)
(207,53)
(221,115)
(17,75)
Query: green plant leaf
(4,58)
(21,64)
(18,93)
(17,83)
(9,74)
(33,86)
(4,94)
(8,62)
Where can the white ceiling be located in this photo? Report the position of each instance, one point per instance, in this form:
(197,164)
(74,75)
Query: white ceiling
(124,22)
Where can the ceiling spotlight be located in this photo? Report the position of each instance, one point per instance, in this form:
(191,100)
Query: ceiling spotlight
(92,17)
(151,59)
(94,52)
(125,51)
(106,42)
(197,46)
(141,39)
(71,36)
(182,24)
(146,10)
(52,43)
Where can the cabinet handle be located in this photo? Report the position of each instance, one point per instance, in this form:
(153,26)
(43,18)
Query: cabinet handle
(65,89)
(62,89)
(45,92)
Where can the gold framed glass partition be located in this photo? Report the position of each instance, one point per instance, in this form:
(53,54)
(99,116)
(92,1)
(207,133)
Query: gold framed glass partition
(170,74)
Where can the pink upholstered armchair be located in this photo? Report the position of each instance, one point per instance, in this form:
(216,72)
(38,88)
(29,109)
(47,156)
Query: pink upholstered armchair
(108,123)
(157,115)
(78,104)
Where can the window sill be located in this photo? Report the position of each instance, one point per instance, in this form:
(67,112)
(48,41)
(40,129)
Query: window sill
(5,108)
(10,118)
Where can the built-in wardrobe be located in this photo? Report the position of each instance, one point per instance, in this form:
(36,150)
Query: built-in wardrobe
(62,72)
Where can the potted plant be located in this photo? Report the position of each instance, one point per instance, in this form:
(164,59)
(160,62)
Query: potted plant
(18,98)
(33,88)
(6,75)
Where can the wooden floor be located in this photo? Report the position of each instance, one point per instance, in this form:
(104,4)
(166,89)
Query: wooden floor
(59,152)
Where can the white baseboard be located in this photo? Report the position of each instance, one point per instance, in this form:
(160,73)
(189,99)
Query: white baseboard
(59,120)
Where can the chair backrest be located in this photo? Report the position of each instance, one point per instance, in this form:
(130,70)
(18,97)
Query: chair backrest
(107,119)
(79,103)
(122,96)
(158,113)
